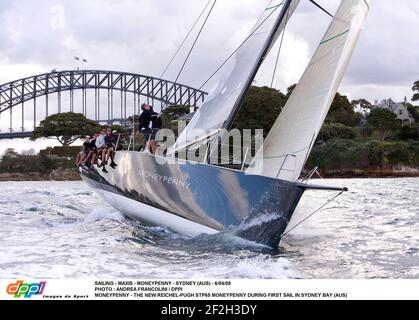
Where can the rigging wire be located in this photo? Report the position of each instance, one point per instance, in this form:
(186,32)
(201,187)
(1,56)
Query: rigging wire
(321,8)
(279,50)
(245,40)
(241,45)
(184,40)
(319,209)
(196,40)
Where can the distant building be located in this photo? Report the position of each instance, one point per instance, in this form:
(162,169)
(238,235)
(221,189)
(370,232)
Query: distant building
(399,109)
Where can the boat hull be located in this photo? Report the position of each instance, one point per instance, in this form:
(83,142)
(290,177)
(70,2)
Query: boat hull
(193,198)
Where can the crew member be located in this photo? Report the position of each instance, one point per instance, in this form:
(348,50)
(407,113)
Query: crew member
(82,155)
(146,120)
(110,146)
(92,155)
(101,149)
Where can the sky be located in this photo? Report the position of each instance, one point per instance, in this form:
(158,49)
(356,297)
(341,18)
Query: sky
(140,36)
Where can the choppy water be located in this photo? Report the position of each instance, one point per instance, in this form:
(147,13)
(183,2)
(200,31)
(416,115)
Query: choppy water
(63,230)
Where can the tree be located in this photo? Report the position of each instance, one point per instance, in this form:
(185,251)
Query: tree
(409,132)
(382,120)
(363,105)
(175,112)
(336,131)
(28,153)
(171,115)
(414,111)
(10,153)
(66,127)
(118,128)
(136,120)
(415,88)
(343,112)
(290,90)
(260,109)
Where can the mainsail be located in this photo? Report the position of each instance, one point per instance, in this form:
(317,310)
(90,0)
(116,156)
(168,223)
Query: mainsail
(288,145)
(220,109)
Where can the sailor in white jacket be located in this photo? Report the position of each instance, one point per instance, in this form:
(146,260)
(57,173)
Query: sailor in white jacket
(101,148)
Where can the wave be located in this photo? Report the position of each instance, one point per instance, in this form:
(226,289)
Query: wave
(256,222)
(228,241)
(103,214)
(265,267)
(96,215)
(225,242)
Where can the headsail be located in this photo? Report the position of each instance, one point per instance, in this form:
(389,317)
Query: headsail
(220,109)
(288,145)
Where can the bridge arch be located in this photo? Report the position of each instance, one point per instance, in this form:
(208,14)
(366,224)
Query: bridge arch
(15,93)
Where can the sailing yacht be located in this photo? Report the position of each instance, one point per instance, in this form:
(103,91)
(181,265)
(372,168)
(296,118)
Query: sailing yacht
(256,203)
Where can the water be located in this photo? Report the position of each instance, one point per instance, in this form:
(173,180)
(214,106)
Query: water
(63,230)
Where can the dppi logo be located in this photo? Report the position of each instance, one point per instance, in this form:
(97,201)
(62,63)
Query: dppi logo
(26,290)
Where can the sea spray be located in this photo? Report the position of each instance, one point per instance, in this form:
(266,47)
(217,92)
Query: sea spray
(103,214)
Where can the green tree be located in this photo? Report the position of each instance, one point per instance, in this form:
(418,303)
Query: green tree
(175,112)
(332,131)
(343,112)
(118,128)
(171,115)
(133,120)
(409,132)
(260,109)
(415,88)
(66,127)
(414,111)
(10,153)
(290,90)
(364,105)
(382,120)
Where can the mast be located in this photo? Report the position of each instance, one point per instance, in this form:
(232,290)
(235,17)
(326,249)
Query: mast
(221,108)
(265,51)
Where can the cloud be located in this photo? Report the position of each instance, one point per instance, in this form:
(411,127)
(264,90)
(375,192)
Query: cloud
(142,35)
(387,54)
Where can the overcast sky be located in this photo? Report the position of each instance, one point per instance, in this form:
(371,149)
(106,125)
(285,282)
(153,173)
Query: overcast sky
(140,36)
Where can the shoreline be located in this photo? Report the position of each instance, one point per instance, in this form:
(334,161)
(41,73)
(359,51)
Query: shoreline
(37,176)
(67,175)
(369,173)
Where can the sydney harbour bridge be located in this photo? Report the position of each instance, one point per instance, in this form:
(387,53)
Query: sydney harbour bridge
(107,97)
